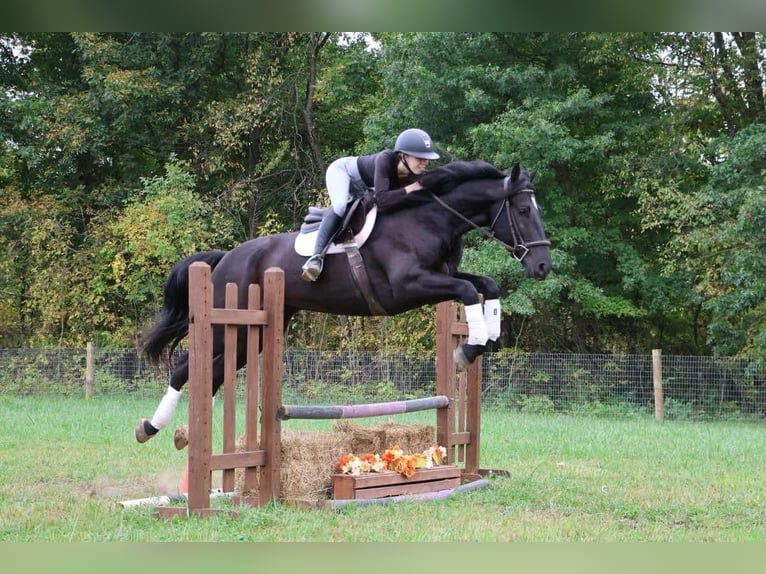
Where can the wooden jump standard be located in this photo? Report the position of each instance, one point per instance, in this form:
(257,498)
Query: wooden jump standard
(457,403)
(264,326)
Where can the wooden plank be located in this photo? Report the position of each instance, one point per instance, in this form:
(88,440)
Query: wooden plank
(238,317)
(183,512)
(473,416)
(245,459)
(460,412)
(343,489)
(249,500)
(200,386)
(402,489)
(390,483)
(445,375)
(369,479)
(252,389)
(460,329)
(271,377)
(229,389)
(171,511)
(461,438)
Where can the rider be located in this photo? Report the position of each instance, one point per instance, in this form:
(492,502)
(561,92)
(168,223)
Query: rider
(391,171)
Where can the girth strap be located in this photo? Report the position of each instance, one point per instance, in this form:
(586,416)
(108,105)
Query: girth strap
(362,280)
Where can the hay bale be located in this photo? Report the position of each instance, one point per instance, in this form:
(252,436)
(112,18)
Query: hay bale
(378,438)
(309,458)
(308,461)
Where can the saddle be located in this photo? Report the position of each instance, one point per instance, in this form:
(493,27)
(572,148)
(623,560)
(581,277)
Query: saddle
(353,233)
(354,230)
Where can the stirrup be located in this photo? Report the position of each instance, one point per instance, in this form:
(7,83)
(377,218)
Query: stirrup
(312,268)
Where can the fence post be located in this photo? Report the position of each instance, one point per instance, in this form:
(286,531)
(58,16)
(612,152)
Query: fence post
(89,370)
(659,400)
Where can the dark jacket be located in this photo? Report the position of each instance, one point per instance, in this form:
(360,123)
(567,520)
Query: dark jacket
(378,170)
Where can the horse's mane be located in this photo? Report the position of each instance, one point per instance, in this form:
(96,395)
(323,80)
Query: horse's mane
(442,179)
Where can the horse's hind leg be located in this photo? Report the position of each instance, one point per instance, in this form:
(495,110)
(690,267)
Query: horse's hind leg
(147,428)
(181,435)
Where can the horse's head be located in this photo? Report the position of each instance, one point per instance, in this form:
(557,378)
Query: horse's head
(516,222)
(482,196)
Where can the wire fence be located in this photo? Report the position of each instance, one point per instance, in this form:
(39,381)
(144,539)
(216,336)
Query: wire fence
(608,385)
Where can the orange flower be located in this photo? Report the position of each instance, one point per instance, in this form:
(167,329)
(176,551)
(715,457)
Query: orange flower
(409,466)
(391,455)
(392,459)
(344,460)
(400,466)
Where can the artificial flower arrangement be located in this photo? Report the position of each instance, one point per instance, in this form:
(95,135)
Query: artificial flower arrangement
(393,459)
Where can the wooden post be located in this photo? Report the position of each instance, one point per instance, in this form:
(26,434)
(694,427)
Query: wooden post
(445,377)
(472,421)
(659,400)
(253,391)
(89,370)
(200,388)
(266,326)
(229,388)
(271,377)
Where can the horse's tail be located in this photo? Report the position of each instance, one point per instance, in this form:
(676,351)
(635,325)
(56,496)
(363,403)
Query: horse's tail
(173,321)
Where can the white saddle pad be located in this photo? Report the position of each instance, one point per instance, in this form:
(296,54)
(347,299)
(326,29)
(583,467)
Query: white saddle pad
(304,242)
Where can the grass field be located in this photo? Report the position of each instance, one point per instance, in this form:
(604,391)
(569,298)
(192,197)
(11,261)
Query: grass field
(66,463)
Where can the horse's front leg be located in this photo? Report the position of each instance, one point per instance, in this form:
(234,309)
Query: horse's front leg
(426,286)
(476,343)
(491,293)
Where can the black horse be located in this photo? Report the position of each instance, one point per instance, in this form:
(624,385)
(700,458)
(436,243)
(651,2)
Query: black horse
(411,259)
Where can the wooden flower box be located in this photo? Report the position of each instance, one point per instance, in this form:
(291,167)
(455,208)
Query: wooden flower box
(389,483)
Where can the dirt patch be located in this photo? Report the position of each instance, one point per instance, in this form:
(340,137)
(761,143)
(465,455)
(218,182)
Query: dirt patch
(166,483)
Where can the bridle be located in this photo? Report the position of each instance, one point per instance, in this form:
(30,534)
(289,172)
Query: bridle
(520,248)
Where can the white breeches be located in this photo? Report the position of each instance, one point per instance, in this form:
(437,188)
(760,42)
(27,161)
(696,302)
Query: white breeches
(338,178)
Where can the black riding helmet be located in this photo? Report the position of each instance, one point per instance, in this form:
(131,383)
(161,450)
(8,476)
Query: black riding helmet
(416,143)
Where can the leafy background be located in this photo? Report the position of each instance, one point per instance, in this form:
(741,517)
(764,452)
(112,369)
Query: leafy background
(123,152)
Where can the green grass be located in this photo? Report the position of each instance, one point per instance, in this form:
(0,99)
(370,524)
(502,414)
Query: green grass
(65,464)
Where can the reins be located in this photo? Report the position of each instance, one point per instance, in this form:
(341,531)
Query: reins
(520,248)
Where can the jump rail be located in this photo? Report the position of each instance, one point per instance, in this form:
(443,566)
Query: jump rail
(286,412)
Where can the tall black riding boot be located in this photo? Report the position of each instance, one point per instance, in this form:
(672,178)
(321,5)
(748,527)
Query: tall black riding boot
(327,229)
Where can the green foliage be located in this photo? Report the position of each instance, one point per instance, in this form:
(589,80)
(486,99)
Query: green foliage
(722,243)
(675,409)
(329,393)
(125,151)
(536,405)
(159,226)
(598,409)
(43,373)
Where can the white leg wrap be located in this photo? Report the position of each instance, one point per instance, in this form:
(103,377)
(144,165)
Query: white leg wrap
(492,314)
(477,329)
(166,408)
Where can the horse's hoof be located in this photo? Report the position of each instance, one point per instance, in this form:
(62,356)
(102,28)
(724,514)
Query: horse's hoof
(144,430)
(181,437)
(461,361)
